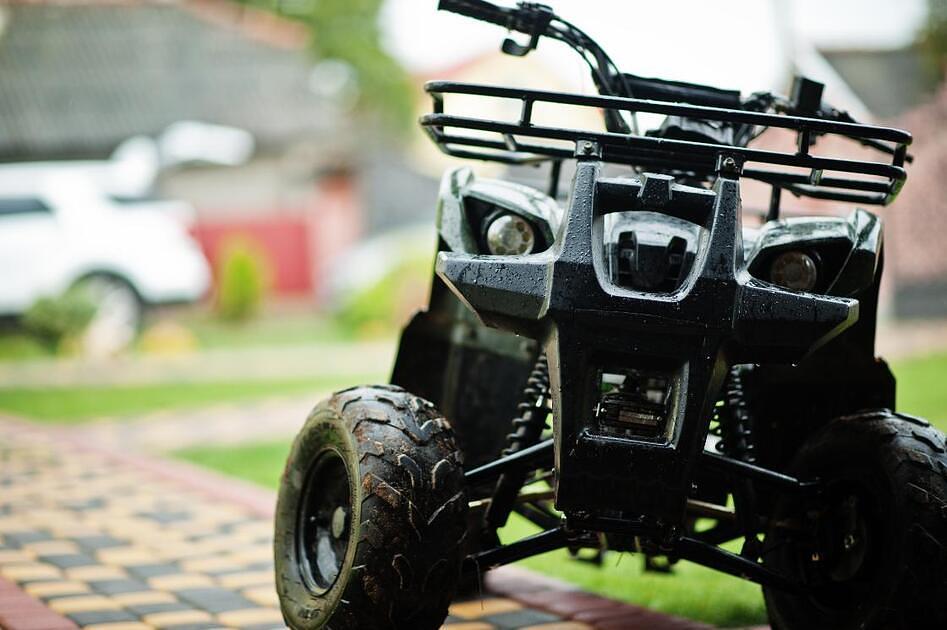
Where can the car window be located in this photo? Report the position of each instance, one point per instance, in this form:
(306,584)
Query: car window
(22,205)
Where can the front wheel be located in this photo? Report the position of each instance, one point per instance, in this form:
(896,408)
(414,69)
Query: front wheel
(371,515)
(872,548)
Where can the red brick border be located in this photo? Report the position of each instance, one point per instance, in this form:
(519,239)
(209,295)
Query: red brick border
(564,600)
(20,611)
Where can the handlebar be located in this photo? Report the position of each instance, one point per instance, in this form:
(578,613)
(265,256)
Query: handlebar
(538,20)
(478,10)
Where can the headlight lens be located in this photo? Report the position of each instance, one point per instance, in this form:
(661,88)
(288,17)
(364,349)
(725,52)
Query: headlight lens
(794,270)
(510,234)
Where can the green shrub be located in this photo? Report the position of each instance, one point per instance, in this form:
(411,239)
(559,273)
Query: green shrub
(55,320)
(242,277)
(389,303)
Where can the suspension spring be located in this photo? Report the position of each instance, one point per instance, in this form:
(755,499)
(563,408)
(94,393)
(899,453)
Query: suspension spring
(527,429)
(531,413)
(734,420)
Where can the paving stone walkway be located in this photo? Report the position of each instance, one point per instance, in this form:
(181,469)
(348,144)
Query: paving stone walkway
(104,539)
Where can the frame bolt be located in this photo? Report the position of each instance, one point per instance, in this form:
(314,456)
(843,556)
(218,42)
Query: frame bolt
(729,164)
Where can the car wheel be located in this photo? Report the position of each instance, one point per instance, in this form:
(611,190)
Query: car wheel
(117,318)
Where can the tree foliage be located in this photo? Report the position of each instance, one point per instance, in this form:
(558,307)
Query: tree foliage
(348,31)
(934,37)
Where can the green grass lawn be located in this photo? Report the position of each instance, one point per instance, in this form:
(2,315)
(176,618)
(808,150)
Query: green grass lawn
(68,405)
(292,328)
(261,463)
(278,329)
(921,388)
(16,345)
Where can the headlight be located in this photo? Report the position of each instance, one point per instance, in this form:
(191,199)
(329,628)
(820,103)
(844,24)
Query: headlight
(510,234)
(794,270)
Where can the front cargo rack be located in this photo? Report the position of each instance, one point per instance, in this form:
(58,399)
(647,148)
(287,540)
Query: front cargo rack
(523,142)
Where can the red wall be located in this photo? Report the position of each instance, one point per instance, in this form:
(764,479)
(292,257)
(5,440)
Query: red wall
(283,241)
(298,244)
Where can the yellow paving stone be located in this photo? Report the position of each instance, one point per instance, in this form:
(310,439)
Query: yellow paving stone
(19,556)
(125,556)
(144,598)
(52,547)
(193,528)
(159,537)
(255,527)
(179,550)
(220,545)
(179,581)
(214,563)
(9,525)
(247,578)
(260,553)
(562,625)
(130,527)
(95,572)
(262,595)
(118,625)
(483,607)
(468,625)
(60,587)
(73,530)
(246,537)
(250,616)
(177,618)
(29,571)
(82,603)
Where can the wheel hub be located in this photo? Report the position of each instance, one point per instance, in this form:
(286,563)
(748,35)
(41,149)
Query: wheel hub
(324,524)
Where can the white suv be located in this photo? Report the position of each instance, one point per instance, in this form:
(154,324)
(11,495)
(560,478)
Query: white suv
(57,228)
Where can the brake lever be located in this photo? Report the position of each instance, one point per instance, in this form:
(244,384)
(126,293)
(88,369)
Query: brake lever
(531,18)
(511,47)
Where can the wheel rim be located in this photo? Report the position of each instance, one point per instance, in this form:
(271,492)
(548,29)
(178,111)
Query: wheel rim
(324,522)
(839,562)
(117,314)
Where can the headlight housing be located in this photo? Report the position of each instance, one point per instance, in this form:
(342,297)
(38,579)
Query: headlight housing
(510,235)
(794,270)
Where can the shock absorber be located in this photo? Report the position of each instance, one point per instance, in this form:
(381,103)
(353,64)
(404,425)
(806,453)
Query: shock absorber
(735,428)
(735,420)
(530,419)
(527,428)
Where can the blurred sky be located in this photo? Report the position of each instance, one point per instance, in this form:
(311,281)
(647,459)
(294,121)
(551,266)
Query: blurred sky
(732,43)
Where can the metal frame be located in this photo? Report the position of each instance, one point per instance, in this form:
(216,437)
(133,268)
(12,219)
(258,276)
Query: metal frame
(700,158)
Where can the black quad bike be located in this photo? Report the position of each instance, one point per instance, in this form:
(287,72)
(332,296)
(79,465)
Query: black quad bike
(632,370)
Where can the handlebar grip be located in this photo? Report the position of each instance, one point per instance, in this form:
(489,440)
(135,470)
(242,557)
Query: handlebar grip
(478,9)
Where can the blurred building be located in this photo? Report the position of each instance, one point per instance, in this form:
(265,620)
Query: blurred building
(78,78)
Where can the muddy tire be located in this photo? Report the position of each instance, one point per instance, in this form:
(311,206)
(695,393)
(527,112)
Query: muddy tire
(874,545)
(371,515)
